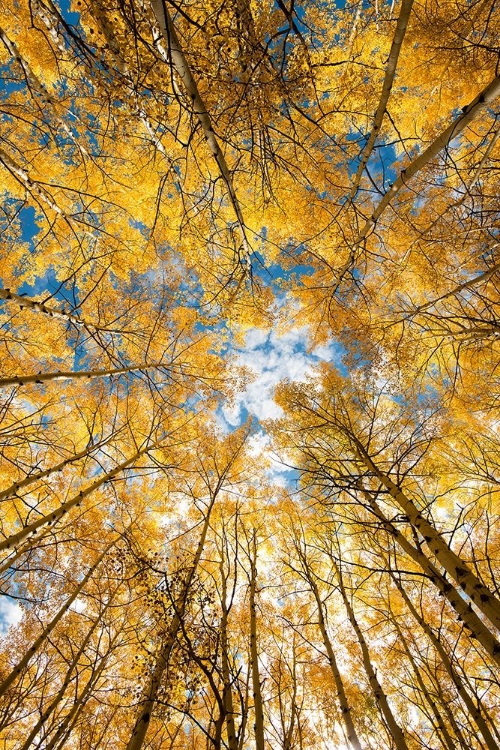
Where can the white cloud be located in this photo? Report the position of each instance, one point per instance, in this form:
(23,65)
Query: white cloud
(79,605)
(273,357)
(259,447)
(10,614)
(255,337)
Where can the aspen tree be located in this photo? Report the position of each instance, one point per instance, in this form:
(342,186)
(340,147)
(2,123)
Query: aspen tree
(181,180)
(232,738)
(474,711)
(378,691)
(150,691)
(254,650)
(18,669)
(14,539)
(345,708)
(68,676)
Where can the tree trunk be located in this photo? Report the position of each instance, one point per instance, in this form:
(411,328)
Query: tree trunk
(59,695)
(465,117)
(475,712)
(482,597)
(54,516)
(254,654)
(150,692)
(232,740)
(26,302)
(446,738)
(52,624)
(344,705)
(62,733)
(445,588)
(390,71)
(181,66)
(380,696)
(74,374)
(31,478)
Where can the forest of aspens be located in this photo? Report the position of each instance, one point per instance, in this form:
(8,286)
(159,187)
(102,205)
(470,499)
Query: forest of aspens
(250,375)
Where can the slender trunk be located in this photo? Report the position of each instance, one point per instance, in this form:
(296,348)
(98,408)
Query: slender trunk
(463,609)
(446,738)
(232,740)
(254,654)
(390,71)
(35,84)
(478,593)
(245,700)
(67,679)
(54,516)
(65,728)
(9,561)
(459,288)
(132,93)
(181,66)
(462,742)
(45,16)
(475,712)
(380,697)
(35,188)
(20,666)
(467,188)
(344,705)
(26,302)
(74,374)
(150,692)
(288,734)
(31,478)
(443,140)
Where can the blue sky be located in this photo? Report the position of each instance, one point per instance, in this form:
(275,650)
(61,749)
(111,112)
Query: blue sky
(274,356)
(10,614)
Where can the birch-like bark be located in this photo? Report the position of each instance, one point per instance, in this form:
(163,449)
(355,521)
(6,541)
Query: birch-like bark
(463,608)
(20,666)
(44,14)
(475,711)
(390,72)
(443,140)
(13,558)
(181,66)
(345,709)
(36,189)
(378,692)
(14,539)
(245,704)
(472,182)
(288,739)
(30,304)
(460,287)
(446,739)
(478,593)
(114,49)
(150,692)
(35,84)
(254,653)
(450,715)
(75,374)
(149,695)
(46,713)
(32,478)
(232,740)
(64,729)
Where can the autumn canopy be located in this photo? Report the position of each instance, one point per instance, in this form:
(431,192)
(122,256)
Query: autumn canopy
(249,375)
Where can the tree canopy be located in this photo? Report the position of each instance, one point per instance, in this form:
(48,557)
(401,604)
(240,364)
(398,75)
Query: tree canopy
(187,187)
